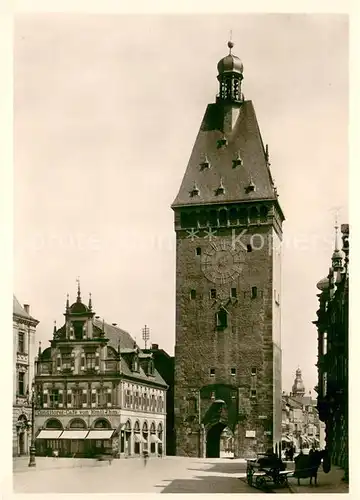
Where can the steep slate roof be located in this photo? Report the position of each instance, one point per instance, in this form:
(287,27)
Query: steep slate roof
(18,310)
(245,138)
(115,335)
(141,375)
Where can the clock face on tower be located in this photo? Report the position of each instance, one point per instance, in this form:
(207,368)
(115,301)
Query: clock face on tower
(221,263)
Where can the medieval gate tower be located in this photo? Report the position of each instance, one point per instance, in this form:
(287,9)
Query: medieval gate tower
(228,225)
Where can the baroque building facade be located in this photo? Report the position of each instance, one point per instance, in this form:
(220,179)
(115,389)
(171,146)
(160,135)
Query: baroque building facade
(24,331)
(333,352)
(97,392)
(228,225)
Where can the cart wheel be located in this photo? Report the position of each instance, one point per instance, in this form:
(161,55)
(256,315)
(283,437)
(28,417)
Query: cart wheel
(260,481)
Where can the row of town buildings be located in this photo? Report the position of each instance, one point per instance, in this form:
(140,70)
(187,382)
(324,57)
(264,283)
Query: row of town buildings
(93,390)
(301,426)
(333,353)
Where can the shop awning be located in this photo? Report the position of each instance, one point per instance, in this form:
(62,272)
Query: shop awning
(139,438)
(100,434)
(155,439)
(75,434)
(49,434)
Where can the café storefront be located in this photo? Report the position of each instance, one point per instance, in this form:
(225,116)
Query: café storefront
(76,441)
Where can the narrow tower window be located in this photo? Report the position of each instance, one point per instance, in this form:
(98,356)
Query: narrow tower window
(222,318)
(193,294)
(212,372)
(233,371)
(249,248)
(198,251)
(253,393)
(233,293)
(253,371)
(213,293)
(254,292)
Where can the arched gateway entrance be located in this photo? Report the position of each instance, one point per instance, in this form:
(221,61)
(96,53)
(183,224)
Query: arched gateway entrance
(213,440)
(218,420)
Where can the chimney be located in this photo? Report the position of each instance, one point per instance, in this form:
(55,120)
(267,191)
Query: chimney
(27,308)
(155,347)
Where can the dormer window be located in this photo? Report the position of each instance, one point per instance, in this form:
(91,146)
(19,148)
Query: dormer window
(135,365)
(220,189)
(251,187)
(151,367)
(195,191)
(237,161)
(205,164)
(221,142)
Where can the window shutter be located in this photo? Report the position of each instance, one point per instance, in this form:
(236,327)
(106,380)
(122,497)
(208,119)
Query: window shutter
(61,398)
(69,398)
(97,361)
(58,362)
(84,398)
(109,394)
(82,359)
(45,398)
(72,361)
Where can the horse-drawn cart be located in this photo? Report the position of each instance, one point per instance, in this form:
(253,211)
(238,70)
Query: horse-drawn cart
(264,469)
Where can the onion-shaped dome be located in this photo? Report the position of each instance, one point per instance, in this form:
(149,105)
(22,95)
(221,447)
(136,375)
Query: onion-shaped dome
(230,63)
(323,284)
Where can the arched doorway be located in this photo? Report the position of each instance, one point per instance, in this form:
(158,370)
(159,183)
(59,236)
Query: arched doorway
(227,443)
(213,440)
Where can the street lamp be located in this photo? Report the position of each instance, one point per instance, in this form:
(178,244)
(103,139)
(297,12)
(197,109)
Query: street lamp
(32,462)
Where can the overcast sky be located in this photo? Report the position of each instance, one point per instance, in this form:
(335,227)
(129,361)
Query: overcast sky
(107,109)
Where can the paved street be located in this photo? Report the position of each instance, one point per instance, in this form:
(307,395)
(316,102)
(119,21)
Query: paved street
(167,475)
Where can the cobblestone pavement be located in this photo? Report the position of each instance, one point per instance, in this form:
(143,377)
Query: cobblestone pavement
(166,475)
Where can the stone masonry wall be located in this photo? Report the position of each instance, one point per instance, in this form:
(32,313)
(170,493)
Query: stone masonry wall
(245,344)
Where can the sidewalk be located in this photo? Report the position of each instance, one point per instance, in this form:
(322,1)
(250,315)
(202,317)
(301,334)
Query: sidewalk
(326,483)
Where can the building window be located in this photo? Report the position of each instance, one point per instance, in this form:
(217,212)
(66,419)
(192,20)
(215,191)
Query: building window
(66,360)
(193,294)
(212,395)
(77,398)
(233,371)
(213,293)
(198,251)
(233,293)
(249,248)
(222,319)
(253,371)
(21,384)
(54,398)
(253,393)
(325,343)
(212,372)
(254,292)
(21,343)
(90,361)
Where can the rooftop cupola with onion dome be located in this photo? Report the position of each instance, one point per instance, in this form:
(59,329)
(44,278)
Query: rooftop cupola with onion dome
(230,69)
(298,388)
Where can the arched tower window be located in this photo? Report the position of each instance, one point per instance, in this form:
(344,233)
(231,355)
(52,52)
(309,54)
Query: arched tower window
(243,216)
(233,216)
(263,214)
(254,215)
(223,217)
(213,221)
